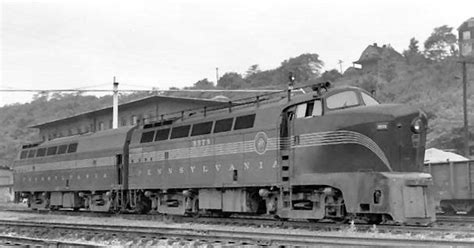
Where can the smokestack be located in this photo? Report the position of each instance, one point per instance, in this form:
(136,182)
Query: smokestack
(115,106)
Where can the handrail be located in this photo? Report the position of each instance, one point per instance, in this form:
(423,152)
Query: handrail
(173,116)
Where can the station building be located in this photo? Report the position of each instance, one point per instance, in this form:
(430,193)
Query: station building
(130,113)
(6,184)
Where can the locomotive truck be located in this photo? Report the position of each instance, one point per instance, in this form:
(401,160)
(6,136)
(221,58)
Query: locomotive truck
(331,153)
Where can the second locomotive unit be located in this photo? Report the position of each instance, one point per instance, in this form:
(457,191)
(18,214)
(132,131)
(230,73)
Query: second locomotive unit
(335,154)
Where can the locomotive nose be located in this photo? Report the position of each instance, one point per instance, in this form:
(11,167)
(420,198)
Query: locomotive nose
(408,136)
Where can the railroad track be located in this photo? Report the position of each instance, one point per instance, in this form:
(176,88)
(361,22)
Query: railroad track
(443,224)
(261,236)
(12,241)
(456,218)
(455,222)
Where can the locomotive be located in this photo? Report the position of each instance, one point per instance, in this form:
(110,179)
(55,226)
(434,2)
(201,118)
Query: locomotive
(327,154)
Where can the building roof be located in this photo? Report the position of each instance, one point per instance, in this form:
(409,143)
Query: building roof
(469,23)
(145,100)
(434,155)
(374,53)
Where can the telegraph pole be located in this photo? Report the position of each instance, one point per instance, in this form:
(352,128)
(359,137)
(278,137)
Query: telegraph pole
(340,65)
(466,55)
(115,106)
(217,75)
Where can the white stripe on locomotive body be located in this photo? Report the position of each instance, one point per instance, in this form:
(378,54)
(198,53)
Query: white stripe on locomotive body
(305,140)
(342,137)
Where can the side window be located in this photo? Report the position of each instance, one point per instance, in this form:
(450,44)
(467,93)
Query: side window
(41,152)
(24,154)
(62,149)
(342,100)
(368,100)
(51,151)
(317,108)
(243,122)
(72,148)
(223,125)
(147,137)
(180,132)
(32,153)
(309,109)
(201,128)
(162,134)
(301,110)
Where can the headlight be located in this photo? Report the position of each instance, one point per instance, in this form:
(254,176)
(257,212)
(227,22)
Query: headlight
(417,125)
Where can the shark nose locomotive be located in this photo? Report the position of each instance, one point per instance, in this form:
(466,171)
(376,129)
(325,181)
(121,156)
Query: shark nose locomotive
(360,158)
(327,154)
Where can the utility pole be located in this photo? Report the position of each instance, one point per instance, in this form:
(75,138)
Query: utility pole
(115,106)
(466,55)
(217,75)
(340,65)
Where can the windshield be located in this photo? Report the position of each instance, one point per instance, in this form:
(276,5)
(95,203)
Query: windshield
(342,100)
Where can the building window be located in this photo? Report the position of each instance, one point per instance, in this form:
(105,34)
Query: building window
(134,120)
(146,118)
(101,126)
(466,35)
(124,122)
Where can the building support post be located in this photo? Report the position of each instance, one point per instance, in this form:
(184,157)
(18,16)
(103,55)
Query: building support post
(466,125)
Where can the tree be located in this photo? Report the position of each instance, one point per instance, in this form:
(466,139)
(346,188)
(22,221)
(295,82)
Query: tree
(331,76)
(253,69)
(413,54)
(305,67)
(203,84)
(231,80)
(442,43)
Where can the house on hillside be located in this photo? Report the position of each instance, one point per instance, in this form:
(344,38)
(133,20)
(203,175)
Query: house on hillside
(372,55)
(466,38)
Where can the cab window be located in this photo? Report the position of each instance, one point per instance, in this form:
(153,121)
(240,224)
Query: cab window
(317,108)
(309,109)
(342,100)
(368,100)
(301,110)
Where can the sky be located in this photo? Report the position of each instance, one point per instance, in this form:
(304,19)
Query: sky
(59,44)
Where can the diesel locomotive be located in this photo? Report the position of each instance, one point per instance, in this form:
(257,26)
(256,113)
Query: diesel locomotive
(326,154)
